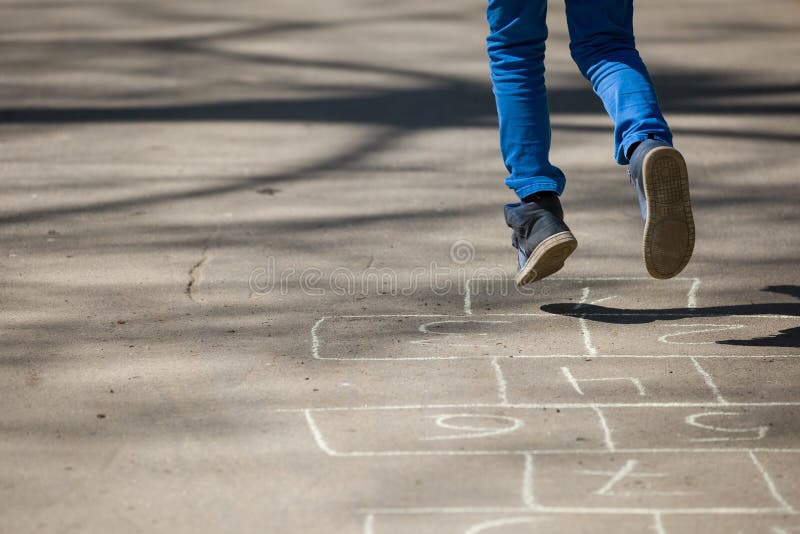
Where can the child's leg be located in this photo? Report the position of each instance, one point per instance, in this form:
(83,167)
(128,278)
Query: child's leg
(516,46)
(602,45)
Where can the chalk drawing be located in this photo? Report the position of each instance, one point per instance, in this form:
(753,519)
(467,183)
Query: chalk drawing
(758,432)
(707,328)
(473,430)
(627,471)
(575,382)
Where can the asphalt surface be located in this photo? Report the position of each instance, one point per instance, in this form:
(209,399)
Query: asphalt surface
(255,278)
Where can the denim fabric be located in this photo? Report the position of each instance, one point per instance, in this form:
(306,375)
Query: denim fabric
(603,47)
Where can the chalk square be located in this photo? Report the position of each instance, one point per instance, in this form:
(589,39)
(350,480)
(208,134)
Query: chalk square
(509,523)
(657,481)
(491,295)
(444,336)
(717,427)
(603,379)
(691,334)
(459,430)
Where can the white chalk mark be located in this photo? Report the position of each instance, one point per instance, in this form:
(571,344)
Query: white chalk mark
(587,336)
(502,385)
(425,328)
(628,471)
(770,484)
(571,379)
(607,440)
(713,328)
(759,432)
(574,381)
(312,425)
(709,381)
(315,339)
(496,523)
(527,483)
(691,297)
(616,478)
(467,299)
(658,524)
(369,524)
(472,431)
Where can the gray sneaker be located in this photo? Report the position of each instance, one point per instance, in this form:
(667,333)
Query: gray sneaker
(542,239)
(658,173)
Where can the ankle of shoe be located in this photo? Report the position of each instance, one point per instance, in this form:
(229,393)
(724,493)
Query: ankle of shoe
(539,196)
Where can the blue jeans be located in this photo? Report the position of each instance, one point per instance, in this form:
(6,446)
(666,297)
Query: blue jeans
(602,45)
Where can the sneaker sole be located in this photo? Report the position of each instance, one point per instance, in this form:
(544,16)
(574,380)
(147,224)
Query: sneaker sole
(669,228)
(547,258)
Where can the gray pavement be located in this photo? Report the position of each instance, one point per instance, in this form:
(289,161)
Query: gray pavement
(255,278)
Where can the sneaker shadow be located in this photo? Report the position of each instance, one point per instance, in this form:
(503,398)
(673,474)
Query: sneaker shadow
(789,337)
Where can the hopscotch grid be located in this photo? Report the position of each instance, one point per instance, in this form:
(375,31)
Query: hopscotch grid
(528,455)
(770,484)
(709,380)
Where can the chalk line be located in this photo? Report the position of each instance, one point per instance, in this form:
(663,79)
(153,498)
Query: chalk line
(691,297)
(315,339)
(323,446)
(770,484)
(623,472)
(658,525)
(540,405)
(494,523)
(609,443)
(502,385)
(369,524)
(709,381)
(527,482)
(576,510)
(552,452)
(571,379)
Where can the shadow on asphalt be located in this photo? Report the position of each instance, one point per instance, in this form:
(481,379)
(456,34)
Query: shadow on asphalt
(789,337)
